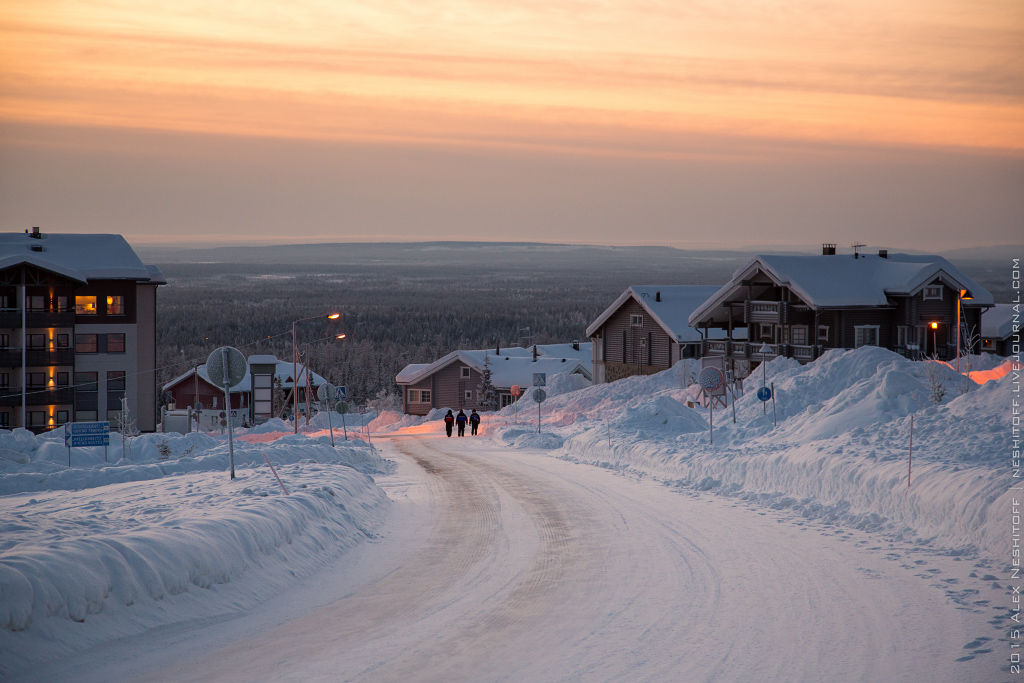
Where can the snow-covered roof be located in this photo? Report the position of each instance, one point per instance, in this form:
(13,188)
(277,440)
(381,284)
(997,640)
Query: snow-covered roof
(79,257)
(283,372)
(515,365)
(841,281)
(672,312)
(998,321)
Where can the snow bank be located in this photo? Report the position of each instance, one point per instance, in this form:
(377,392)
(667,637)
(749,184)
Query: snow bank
(839,450)
(163,519)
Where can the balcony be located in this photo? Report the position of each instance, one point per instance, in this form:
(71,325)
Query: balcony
(752,350)
(37,358)
(764,311)
(10,318)
(10,398)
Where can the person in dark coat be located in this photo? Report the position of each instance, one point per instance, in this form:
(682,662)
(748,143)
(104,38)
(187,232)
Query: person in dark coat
(449,420)
(474,421)
(460,420)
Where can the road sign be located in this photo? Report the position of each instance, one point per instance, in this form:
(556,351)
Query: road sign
(86,434)
(540,395)
(711,378)
(226,367)
(515,390)
(340,394)
(325,392)
(341,408)
(764,394)
(540,379)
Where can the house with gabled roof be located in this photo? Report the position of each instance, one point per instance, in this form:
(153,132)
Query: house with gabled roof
(646,330)
(1000,329)
(802,305)
(454,380)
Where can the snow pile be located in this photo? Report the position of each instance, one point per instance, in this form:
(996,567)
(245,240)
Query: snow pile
(162,518)
(839,450)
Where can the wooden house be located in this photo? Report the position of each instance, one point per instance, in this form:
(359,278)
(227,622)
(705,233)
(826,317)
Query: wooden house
(802,305)
(1000,330)
(646,330)
(454,380)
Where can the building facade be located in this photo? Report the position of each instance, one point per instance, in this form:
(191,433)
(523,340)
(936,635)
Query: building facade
(77,331)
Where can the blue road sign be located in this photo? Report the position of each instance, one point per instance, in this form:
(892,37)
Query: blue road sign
(764,393)
(87,434)
(340,393)
(540,379)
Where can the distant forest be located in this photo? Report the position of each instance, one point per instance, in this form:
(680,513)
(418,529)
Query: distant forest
(406,303)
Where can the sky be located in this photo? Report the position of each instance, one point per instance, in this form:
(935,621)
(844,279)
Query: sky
(703,123)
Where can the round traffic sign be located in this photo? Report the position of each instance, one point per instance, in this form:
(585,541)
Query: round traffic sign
(516,390)
(711,378)
(226,367)
(764,393)
(325,392)
(540,395)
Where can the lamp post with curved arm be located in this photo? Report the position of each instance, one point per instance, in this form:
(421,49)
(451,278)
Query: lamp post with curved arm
(295,364)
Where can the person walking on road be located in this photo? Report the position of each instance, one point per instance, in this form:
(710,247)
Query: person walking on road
(474,421)
(460,420)
(449,420)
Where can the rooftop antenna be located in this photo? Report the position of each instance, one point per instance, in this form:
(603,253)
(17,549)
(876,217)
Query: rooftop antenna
(856,249)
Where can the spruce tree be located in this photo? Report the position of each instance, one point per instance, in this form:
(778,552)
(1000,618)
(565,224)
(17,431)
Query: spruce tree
(488,394)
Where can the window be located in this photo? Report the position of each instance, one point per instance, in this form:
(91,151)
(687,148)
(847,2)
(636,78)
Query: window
(5,341)
(63,341)
(507,400)
(7,302)
(636,320)
(798,335)
(86,394)
(5,380)
(86,343)
(425,396)
(865,335)
(115,342)
(467,395)
(115,305)
(62,304)
(823,333)
(36,380)
(419,396)
(62,416)
(933,292)
(85,305)
(63,379)
(5,420)
(766,331)
(35,302)
(37,341)
(902,335)
(465,373)
(86,416)
(115,389)
(36,418)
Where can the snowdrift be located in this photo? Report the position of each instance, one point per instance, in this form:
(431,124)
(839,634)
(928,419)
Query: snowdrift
(839,450)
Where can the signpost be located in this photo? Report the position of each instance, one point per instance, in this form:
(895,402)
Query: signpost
(226,367)
(80,434)
(341,409)
(539,396)
(711,379)
(764,351)
(515,390)
(327,392)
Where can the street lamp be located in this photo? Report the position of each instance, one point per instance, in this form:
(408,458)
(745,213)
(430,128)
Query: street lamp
(963,294)
(295,365)
(935,337)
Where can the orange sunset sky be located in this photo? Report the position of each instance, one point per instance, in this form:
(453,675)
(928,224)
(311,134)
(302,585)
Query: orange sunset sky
(711,123)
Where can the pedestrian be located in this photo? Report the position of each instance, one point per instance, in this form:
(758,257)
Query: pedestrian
(460,420)
(474,420)
(449,420)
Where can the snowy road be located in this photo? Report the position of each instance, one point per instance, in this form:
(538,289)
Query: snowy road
(510,565)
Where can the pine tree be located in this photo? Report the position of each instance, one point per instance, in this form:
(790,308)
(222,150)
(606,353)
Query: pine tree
(488,394)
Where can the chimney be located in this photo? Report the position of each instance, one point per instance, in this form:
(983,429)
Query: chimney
(534,353)
(35,234)
(828,250)
(883,253)
(575,344)
(657,296)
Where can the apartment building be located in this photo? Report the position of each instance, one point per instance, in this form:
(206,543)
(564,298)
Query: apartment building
(77,331)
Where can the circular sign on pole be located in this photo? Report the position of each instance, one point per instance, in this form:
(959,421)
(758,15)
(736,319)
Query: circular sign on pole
(711,378)
(341,408)
(515,390)
(229,373)
(540,395)
(764,394)
(325,392)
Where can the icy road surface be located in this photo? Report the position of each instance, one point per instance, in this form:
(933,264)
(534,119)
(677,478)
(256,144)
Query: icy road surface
(501,565)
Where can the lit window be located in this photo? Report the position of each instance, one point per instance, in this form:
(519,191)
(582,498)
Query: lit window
(115,305)
(933,292)
(85,305)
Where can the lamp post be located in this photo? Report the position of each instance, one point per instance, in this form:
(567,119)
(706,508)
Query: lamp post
(935,339)
(963,294)
(295,364)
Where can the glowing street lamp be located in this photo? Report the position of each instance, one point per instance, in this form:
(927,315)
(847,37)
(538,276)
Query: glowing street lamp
(295,366)
(935,337)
